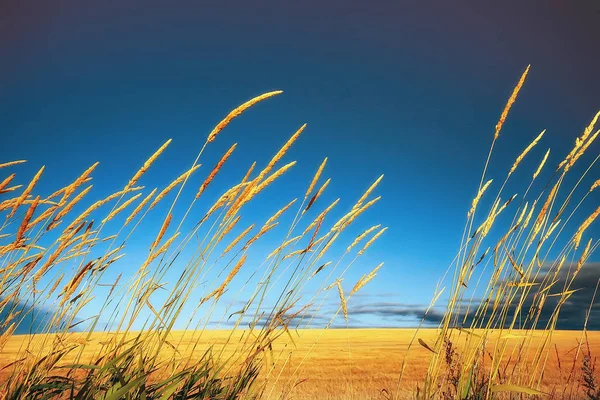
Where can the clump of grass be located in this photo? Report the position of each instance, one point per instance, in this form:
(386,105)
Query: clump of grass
(588,369)
(507,290)
(50,256)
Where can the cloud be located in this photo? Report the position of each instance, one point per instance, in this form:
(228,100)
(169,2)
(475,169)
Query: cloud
(391,311)
(376,310)
(30,319)
(571,317)
(572,314)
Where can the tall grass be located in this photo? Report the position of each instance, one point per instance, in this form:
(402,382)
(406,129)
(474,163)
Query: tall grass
(53,257)
(514,270)
(508,276)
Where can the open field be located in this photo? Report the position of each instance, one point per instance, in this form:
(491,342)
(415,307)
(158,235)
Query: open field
(355,363)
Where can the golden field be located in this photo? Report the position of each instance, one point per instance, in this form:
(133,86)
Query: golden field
(340,363)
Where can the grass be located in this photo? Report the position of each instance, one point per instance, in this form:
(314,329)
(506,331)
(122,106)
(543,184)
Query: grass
(497,336)
(377,354)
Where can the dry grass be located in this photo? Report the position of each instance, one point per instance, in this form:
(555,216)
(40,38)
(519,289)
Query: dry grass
(492,341)
(328,372)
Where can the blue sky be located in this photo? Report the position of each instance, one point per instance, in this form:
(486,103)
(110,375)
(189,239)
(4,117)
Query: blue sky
(409,89)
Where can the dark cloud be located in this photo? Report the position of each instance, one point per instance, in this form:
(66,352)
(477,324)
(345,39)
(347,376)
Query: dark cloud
(390,311)
(376,310)
(572,314)
(30,319)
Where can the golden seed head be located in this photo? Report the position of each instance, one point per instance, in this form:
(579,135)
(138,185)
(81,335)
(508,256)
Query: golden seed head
(362,236)
(367,193)
(139,207)
(176,182)
(11,163)
(147,164)
(373,239)
(315,178)
(539,168)
(215,170)
(524,153)
(478,197)
(510,102)
(342,300)
(237,111)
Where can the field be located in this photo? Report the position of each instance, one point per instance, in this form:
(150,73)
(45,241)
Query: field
(354,363)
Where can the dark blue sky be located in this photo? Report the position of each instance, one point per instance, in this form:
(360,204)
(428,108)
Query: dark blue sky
(412,89)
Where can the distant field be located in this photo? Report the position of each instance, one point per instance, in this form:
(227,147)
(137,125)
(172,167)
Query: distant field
(361,362)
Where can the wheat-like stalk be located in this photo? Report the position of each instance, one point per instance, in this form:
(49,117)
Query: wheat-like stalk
(320,217)
(355,214)
(295,253)
(272,178)
(225,199)
(284,245)
(139,207)
(78,182)
(215,170)
(588,221)
(321,268)
(219,291)
(158,252)
(229,227)
(582,150)
(478,197)
(249,192)
(11,163)
(360,237)
(511,100)
(162,231)
(44,215)
(170,187)
(368,192)
(99,204)
(25,223)
(27,191)
(57,282)
(249,172)
(342,300)
(365,279)
(123,206)
(237,111)
(371,241)
(237,239)
(524,153)
(67,209)
(11,189)
(147,165)
(279,155)
(579,142)
(539,168)
(315,178)
(317,195)
(546,205)
(6,181)
(280,212)
(261,232)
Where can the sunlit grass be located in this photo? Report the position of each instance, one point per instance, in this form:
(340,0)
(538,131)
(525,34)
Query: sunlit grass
(55,258)
(516,262)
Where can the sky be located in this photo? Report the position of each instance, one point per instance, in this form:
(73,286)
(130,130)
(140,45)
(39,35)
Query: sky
(409,89)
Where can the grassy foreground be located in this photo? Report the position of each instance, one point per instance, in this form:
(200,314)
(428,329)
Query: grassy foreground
(346,364)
